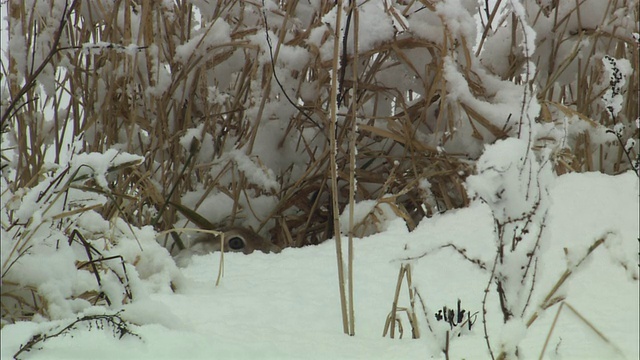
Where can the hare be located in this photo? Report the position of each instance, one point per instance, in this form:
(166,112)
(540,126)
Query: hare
(236,239)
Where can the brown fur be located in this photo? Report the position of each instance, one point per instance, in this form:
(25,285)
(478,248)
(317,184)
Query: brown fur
(236,239)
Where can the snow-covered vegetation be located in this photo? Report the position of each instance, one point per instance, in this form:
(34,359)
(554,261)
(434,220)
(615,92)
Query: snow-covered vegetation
(437,146)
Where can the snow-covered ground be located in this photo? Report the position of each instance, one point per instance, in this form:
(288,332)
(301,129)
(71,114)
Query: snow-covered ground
(286,306)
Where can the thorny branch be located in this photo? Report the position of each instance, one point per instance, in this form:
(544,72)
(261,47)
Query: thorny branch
(462,251)
(119,325)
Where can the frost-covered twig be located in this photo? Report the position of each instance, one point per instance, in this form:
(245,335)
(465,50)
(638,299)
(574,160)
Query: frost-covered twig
(119,326)
(516,192)
(618,70)
(275,73)
(626,149)
(462,251)
(484,306)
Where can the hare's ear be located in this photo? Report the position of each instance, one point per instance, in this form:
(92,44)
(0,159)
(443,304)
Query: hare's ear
(206,243)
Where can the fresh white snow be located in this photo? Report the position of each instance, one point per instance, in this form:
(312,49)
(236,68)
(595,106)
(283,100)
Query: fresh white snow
(286,306)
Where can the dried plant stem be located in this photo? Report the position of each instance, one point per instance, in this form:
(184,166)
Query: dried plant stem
(352,162)
(333,106)
(390,324)
(487,27)
(550,300)
(221,267)
(583,320)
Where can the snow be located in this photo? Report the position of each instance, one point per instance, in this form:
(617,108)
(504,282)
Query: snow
(286,306)
(261,176)
(97,165)
(201,45)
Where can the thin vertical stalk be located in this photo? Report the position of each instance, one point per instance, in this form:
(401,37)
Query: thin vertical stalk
(333,106)
(352,165)
(274,57)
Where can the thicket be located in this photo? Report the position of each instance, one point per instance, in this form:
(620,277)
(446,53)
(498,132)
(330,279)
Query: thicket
(120,117)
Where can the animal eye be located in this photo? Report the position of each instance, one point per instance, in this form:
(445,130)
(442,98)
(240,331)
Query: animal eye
(236,243)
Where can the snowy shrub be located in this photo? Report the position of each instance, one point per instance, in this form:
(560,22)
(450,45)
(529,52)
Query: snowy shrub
(59,256)
(515,186)
(226,108)
(522,114)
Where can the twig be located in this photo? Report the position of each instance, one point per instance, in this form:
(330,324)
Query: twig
(120,329)
(484,305)
(31,80)
(275,74)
